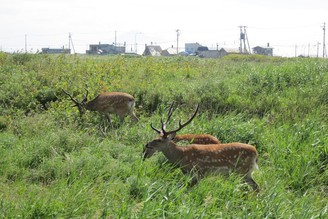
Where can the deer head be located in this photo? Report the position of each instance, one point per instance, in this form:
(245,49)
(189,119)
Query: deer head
(79,105)
(165,137)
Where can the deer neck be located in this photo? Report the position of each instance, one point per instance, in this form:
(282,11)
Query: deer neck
(173,153)
(92,106)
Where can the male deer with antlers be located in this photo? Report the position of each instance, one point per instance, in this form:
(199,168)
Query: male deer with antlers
(218,158)
(118,103)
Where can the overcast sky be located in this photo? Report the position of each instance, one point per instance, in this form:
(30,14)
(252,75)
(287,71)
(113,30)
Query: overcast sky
(289,26)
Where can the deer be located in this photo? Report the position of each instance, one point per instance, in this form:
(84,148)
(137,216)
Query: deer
(118,103)
(201,159)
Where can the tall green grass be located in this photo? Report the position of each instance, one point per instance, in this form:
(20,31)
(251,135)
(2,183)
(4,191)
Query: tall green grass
(55,164)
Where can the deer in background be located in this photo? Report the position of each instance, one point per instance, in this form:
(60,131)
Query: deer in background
(218,158)
(118,103)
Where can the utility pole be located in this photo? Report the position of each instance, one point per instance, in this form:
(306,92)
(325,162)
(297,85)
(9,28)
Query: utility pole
(318,45)
(178,34)
(115,39)
(135,42)
(295,50)
(25,43)
(243,39)
(240,40)
(246,37)
(324,52)
(70,41)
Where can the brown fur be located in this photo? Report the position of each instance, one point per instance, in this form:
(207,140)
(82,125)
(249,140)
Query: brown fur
(118,103)
(197,139)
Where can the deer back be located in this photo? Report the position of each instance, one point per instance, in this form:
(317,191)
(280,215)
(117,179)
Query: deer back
(197,139)
(223,158)
(112,102)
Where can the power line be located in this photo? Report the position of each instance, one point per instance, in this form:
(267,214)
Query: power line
(312,25)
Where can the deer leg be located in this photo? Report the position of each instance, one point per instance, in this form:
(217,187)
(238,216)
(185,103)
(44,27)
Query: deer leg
(108,117)
(121,119)
(134,117)
(132,114)
(252,183)
(194,180)
(195,177)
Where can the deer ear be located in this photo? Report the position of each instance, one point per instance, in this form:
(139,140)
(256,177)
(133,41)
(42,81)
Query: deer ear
(171,136)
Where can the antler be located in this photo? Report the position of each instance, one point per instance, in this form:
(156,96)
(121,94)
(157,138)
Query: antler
(164,124)
(155,129)
(75,101)
(181,126)
(168,116)
(163,132)
(86,95)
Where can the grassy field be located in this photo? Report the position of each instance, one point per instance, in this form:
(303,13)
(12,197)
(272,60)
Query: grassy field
(55,164)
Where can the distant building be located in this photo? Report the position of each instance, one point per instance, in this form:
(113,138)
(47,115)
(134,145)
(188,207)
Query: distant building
(191,48)
(210,54)
(169,51)
(218,53)
(56,51)
(267,51)
(202,48)
(204,52)
(152,51)
(105,49)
